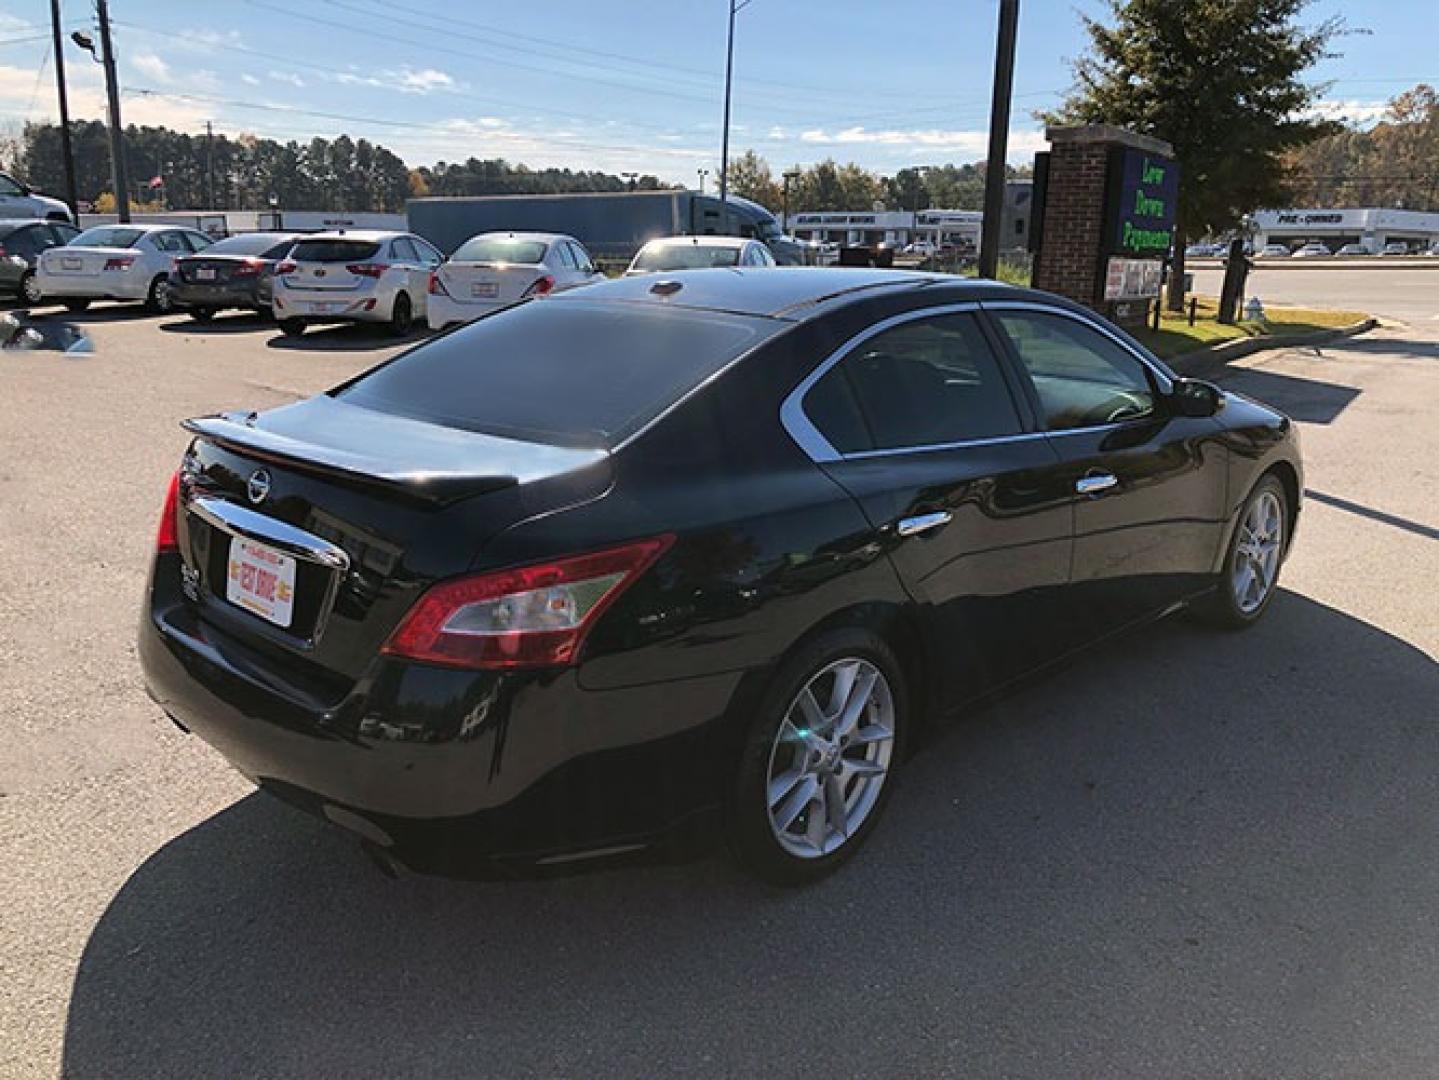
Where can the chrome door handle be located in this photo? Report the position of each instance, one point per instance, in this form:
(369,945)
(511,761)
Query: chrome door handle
(1094,483)
(911,526)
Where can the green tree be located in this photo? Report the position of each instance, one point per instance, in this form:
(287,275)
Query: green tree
(1218,79)
(750,178)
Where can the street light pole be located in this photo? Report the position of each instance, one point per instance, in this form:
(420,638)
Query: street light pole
(66,152)
(734,8)
(791,175)
(998,137)
(702,174)
(119,174)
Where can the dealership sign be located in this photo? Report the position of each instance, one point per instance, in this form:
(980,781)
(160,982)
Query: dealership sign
(1143,194)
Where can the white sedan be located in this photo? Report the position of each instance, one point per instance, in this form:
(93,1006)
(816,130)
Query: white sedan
(492,270)
(353,276)
(116,262)
(698,253)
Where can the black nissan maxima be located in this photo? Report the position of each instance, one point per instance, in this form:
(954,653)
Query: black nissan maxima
(668,558)
(236,272)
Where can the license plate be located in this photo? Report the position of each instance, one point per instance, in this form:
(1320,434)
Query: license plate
(71,262)
(261,580)
(205,273)
(485,290)
(319,307)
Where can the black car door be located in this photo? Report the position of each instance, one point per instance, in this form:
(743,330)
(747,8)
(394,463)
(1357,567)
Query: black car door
(1148,486)
(917,418)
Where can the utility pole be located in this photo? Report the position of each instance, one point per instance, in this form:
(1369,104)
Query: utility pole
(791,175)
(119,174)
(702,174)
(65,149)
(734,8)
(210,166)
(998,137)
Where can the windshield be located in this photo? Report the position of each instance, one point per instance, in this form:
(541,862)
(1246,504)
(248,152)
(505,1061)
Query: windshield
(685,256)
(591,373)
(500,249)
(108,236)
(333,251)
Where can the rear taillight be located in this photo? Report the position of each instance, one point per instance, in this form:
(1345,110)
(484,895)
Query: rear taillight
(284,267)
(530,616)
(123,262)
(373,270)
(540,286)
(248,268)
(167,537)
(436,286)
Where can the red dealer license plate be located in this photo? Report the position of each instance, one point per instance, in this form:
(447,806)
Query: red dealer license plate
(261,580)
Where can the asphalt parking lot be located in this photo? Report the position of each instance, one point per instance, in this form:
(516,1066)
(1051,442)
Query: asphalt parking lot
(1190,855)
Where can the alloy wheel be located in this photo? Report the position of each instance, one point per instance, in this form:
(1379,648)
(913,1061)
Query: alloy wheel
(1256,552)
(830,758)
(30,288)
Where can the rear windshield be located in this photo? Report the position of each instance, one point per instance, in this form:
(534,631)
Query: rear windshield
(500,249)
(266,245)
(333,251)
(685,257)
(108,236)
(566,372)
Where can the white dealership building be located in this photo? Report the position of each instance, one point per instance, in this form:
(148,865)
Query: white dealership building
(1373,227)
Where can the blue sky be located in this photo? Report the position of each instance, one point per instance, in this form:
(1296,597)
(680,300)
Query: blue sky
(622,85)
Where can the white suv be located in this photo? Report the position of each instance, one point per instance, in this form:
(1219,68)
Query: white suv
(19,200)
(354,276)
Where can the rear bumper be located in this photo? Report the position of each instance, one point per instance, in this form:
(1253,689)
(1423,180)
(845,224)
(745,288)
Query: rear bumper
(454,772)
(443,311)
(312,307)
(115,286)
(198,295)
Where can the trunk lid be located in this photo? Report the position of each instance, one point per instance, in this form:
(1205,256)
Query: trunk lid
(83,261)
(488,283)
(324,264)
(219,269)
(358,512)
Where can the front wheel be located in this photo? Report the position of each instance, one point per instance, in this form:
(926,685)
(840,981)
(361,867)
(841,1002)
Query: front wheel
(1250,575)
(818,765)
(202,315)
(76,306)
(292,327)
(30,288)
(402,316)
(158,300)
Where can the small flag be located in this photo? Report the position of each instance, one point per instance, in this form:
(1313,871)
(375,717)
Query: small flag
(157,181)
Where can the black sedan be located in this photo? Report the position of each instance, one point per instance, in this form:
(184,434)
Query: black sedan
(616,570)
(21,241)
(237,272)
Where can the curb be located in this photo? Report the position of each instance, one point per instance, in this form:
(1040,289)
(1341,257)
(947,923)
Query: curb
(1211,359)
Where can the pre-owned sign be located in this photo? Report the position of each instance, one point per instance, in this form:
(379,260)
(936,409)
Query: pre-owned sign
(1143,193)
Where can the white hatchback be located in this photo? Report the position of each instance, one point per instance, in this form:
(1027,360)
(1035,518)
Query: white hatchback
(494,269)
(353,276)
(116,262)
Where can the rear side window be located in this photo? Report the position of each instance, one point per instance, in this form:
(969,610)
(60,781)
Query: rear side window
(566,372)
(108,236)
(172,242)
(22,242)
(926,382)
(259,245)
(334,251)
(404,250)
(500,249)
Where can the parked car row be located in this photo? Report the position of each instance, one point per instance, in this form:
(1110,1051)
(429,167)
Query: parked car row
(390,278)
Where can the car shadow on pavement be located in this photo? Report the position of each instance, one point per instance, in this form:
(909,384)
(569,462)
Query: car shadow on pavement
(233,322)
(357,338)
(1102,870)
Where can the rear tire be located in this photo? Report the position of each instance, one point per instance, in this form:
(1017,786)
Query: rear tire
(76,306)
(29,290)
(819,762)
(292,327)
(158,301)
(402,316)
(202,315)
(1249,578)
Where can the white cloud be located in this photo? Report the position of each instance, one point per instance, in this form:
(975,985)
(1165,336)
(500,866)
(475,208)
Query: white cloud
(148,63)
(208,40)
(87,101)
(287,77)
(971,142)
(406,80)
(249,79)
(1353,111)
(776,132)
(426,80)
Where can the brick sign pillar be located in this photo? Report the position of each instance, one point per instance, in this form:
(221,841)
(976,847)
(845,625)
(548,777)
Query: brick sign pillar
(1107,202)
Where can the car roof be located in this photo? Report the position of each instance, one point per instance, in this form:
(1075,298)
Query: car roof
(142,226)
(373,236)
(777,292)
(700,241)
(537,237)
(11,224)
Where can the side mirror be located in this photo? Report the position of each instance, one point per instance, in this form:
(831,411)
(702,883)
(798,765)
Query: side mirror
(1194,397)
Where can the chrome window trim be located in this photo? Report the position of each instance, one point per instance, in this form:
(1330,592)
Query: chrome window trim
(809,438)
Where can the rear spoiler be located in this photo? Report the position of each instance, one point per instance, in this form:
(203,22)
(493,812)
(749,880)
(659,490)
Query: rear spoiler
(233,431)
